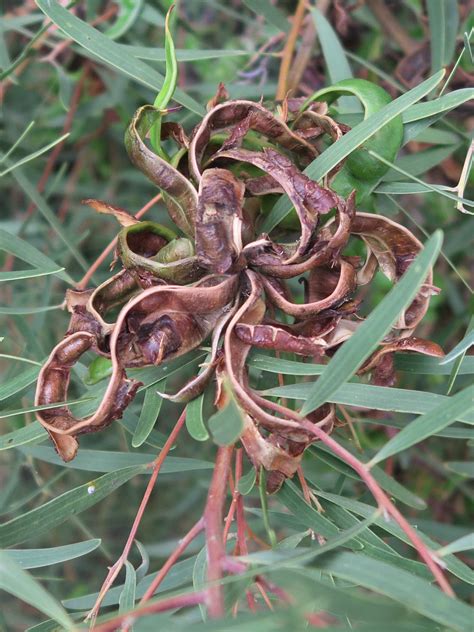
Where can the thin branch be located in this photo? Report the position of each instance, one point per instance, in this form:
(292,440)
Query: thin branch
(235,493)
(171,603)
(213,516)
(116,568)
(288,50)
(391,26)
(182,546)
(384,503)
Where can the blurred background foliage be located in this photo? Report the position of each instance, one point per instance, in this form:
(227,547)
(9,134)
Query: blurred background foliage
(51,86)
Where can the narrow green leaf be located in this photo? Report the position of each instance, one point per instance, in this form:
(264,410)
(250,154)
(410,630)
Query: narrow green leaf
(286,367)
(7,356)
(110,52)
(334,57)
(466,543)
(281,558)
(17,275)
(438,106)
(460,348)
(34,155)
(444,191)
(200,576)
(32,409)
(227,424)
(24,311)
(411,363)
(406,188)
(455,566)
(167,89)
(428,424)
(460,361)
(463,468)
(290,496)
(350,141)
(127,596)
(159,54)
(148,416)
(368,396)
(365,340)
(247,482)
(386,482)
(419,163)
(38,558)
(32,432)
(26,252)
(409,590)
(270,12)
(110,461)
(53,513)
(129,10)
(45,210)
(178,576)
(18,383)
(450,433)
(194,419)
(17,582)
(443,16)
(45,626)
(18,141)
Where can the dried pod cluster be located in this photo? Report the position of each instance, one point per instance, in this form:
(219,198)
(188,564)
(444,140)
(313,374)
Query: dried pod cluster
(222,279)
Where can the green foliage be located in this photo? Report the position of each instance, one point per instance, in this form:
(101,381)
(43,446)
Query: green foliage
(69,95)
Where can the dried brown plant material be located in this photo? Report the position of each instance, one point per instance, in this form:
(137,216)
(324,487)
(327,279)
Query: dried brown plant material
(226,282)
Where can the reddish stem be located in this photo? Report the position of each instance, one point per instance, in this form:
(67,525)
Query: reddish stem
(383,502)
(171,603)
(183,544)
(115,569)
(235,493)
(213,516)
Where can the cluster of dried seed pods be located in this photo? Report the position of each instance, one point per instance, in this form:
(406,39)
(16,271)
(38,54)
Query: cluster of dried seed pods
(222,279)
